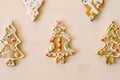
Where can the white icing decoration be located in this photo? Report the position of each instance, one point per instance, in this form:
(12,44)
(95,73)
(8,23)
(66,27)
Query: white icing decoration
(32,7)
(100,1)
(93,9)
(1,46)
(52,47)
(66,36)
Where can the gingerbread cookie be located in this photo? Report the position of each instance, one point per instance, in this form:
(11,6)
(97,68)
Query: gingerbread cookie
(111,49)
(32,7)
(93,7)
(60,44)
(10,52)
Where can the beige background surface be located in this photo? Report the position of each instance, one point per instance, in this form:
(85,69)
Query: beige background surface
(86,35)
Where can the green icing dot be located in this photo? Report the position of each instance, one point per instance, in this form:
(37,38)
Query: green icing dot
(91,17)
(110,54)
(9,26)
(4,54)
(110,28)
(96,2)
(113,37)
(8,37)
(106,63)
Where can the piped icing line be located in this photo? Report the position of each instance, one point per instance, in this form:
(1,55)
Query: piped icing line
(93,7)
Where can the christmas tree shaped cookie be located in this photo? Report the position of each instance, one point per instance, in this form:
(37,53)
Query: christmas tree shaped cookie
(32,7)
(60,44)
(93,7)
(111,49)
(10,51)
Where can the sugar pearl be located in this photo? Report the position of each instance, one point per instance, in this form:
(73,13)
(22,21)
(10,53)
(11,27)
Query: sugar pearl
(5,42)
(16,55)
(12,46)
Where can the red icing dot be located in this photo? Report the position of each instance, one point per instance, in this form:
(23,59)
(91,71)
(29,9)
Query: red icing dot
(117,28)
(47,54)
(51,40)
(113,22)
(13,40)
(73,52)
(117,49)
(7,63)
(102,39)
